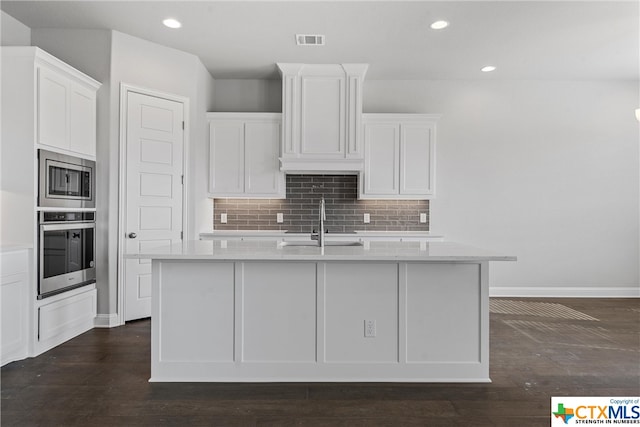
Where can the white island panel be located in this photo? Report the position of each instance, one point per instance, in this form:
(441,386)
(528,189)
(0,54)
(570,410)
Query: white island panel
(278,312)
(444,313)
(355,293)
(196,312)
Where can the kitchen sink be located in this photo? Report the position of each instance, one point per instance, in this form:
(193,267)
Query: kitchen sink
(315,243)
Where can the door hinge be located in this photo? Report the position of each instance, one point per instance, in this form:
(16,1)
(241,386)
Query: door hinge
(182,179)
(183,125)
(181,235)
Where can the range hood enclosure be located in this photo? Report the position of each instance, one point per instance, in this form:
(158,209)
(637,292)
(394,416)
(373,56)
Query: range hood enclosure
(321,118)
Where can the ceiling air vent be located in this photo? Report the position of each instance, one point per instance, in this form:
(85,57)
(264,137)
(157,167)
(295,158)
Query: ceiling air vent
(310,40)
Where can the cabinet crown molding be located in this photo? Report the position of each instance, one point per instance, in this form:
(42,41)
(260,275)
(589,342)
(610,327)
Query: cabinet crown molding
(43,58)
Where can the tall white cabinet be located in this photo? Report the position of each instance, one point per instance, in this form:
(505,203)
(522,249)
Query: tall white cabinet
(46,104)
(244,150)
(399,154)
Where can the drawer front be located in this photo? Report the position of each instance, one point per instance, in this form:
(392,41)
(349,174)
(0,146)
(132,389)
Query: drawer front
(58,317)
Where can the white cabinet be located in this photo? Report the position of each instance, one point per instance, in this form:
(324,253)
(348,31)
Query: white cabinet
(66,116)
(14,305)
(64,316)
(321,116)
(82,119)
(52,105)
(399,156)
(244,149)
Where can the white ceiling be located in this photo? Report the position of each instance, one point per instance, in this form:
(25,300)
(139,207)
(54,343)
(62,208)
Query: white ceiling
(243,39)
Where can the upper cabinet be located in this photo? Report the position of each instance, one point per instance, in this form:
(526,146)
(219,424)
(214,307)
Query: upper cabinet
(66,110)
(244,150)
(399,156)
(321,117)
(57,103)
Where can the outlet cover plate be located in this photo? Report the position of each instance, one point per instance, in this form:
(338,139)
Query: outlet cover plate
(369,328)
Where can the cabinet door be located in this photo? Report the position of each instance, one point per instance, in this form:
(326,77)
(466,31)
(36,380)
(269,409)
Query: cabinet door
(262,175)
(53,109)
(14,303)
(381,159)
(322,125)
(82,120)
(226,157)
(416,159)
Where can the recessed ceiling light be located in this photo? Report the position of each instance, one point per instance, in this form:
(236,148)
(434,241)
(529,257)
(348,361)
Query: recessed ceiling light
(172,23)
(439,25)
(487,69)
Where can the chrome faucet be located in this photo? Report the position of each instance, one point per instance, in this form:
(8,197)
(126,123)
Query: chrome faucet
(319,236)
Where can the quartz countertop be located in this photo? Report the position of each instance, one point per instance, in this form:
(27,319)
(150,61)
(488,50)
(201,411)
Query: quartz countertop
(273,250)
(284,234)
(11,247)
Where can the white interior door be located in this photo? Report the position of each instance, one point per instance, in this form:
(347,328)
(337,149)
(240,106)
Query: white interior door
(154,186)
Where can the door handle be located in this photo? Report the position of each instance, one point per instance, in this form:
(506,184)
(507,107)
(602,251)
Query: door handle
(132,235)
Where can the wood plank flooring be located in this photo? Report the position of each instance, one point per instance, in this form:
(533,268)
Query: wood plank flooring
(537,351)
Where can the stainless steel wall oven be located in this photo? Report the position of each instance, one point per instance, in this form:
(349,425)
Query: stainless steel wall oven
(66,251)
(65,181)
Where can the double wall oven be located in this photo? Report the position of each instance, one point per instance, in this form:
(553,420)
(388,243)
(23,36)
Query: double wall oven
(67,223)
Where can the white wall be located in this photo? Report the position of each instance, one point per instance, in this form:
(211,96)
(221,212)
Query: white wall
(263,96)
(545,170)
(13,32)
(201,207)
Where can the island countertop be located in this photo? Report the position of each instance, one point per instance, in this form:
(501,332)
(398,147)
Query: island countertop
(274,250)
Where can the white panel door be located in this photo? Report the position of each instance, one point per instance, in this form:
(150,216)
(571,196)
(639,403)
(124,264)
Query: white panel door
(53,109)
(381,158)
(261,145)
(154,168)
(82,120)
(227,157)
(416,159)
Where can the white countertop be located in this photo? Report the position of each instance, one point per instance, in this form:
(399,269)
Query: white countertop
(283,233)
(272,250)
(11,247)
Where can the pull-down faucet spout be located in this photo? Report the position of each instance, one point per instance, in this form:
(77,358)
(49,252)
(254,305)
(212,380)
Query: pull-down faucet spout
(322,216)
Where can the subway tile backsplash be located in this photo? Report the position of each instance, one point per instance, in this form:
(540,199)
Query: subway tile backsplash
(345,212)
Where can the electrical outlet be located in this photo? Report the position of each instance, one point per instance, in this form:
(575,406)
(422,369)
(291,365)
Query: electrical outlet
(369,328)
(223,218)
(279,218)
(367,218)
(423,218)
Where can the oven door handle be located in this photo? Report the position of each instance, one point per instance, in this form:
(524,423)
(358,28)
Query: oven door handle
(68,226)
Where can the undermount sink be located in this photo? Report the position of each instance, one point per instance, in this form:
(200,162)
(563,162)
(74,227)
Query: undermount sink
(315,243)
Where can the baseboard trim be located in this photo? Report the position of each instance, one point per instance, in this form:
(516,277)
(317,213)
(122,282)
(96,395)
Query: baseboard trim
(106,321)
(566,292)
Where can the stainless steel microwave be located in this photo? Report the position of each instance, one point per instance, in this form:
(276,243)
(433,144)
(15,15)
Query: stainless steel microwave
(65,181)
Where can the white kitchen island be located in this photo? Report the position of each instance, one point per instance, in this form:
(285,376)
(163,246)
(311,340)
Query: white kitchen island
(245,311)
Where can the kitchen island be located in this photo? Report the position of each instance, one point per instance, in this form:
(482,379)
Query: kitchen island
(248,311)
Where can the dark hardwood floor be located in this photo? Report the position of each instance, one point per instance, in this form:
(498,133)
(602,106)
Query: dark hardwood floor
(539,348)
